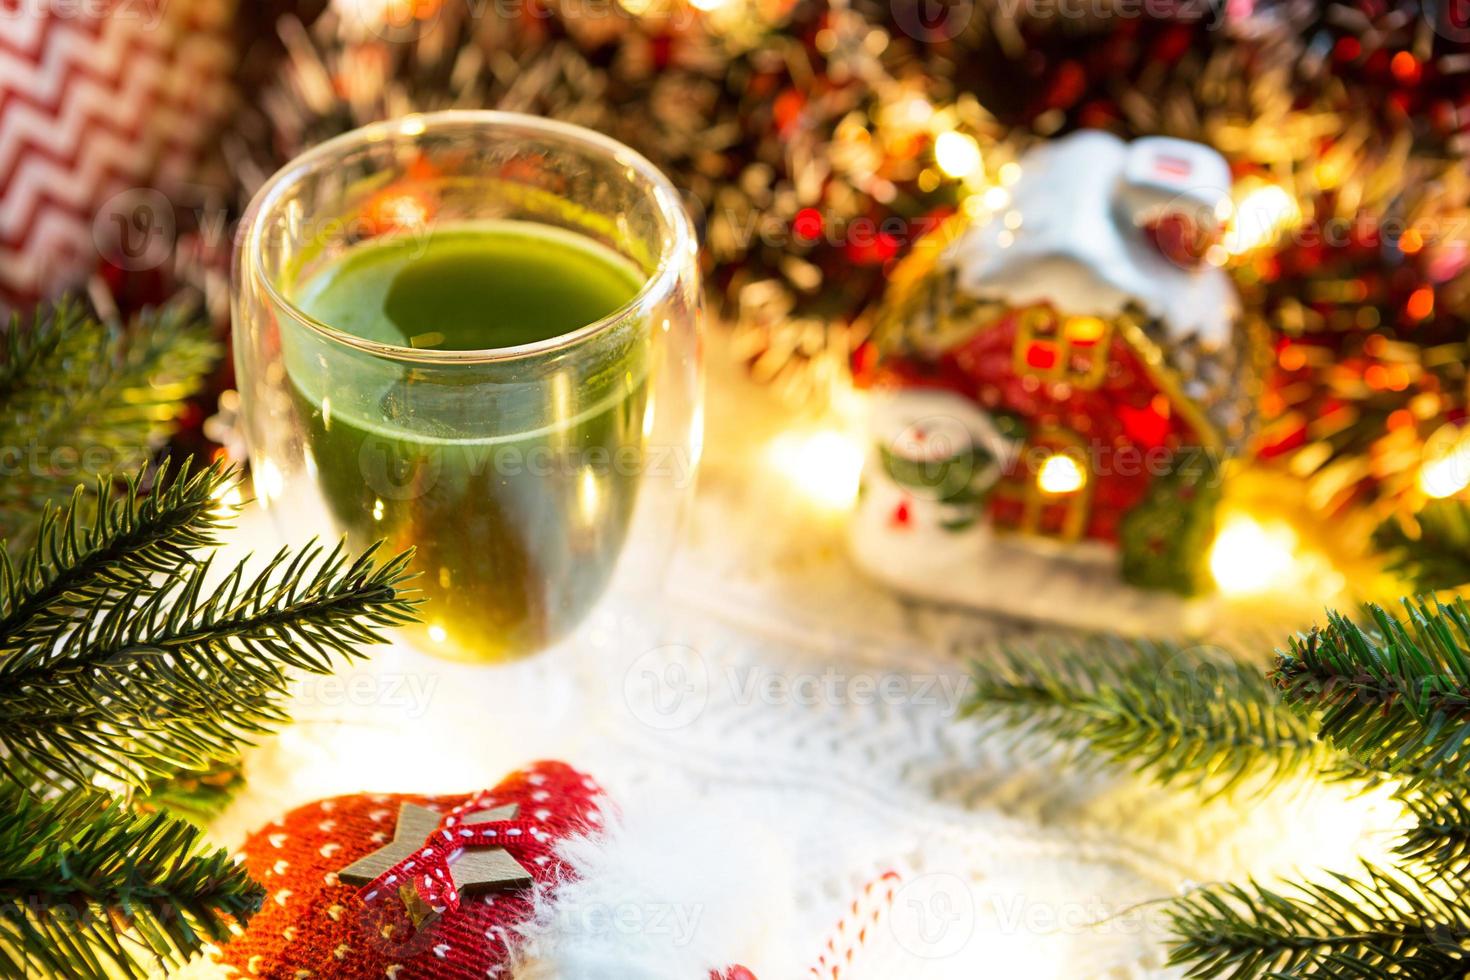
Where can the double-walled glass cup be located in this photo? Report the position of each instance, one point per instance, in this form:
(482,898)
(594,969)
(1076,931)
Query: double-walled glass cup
(529,479)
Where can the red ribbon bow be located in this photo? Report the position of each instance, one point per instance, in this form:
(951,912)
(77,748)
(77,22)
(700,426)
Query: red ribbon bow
(431,868)
(487,842)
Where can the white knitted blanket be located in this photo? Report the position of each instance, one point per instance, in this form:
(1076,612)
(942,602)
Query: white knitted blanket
(780,732)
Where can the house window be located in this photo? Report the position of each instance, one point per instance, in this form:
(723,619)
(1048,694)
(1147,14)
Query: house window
(1049,490)
(1073,349)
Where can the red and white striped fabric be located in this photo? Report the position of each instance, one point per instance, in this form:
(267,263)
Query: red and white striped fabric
(856,929)
(96,99)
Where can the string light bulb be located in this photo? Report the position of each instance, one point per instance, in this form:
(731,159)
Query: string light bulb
(1261,212)
(1250,557)
(823,466)
(1446,467)
(957,154)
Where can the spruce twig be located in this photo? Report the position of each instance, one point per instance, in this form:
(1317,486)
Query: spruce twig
(197,797)
(1377,924)
(90,889)
(126,663)
(165,679)
(1431,549)
(80,395)
(1183,716)
(1395,693)
(77,563)
(1440,838)
(122,659)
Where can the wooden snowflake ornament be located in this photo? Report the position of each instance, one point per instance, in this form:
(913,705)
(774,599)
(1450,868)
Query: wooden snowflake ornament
(410,886)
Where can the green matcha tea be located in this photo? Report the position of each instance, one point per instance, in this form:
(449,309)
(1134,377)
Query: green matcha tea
(514,478)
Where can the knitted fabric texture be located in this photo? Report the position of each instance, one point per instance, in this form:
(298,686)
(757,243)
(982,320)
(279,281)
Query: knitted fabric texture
(313,925)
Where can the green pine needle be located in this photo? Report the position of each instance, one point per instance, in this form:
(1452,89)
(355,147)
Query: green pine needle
(1375,925)
(125,661)
(90,889)
(113,673)
(1440,837)
(1388,700)
(1432,548)
(1395,693)
(166,679)
(195,797)
(80,397)
(1179,715)
(79,561)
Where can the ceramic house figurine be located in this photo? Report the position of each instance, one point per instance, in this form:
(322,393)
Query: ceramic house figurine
(1059,390)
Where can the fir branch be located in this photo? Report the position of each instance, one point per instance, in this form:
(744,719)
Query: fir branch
(88,888)
(1432,548)
(1379,924)
(79,563)
(162,677)
(76,392)
(1440,838)
(1395,694)
(1180,715)
(195,797)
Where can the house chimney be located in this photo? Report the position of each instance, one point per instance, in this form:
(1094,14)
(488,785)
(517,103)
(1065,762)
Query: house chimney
(1177,193)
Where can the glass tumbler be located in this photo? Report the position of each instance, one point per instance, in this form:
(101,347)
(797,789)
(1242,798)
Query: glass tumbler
(529,479)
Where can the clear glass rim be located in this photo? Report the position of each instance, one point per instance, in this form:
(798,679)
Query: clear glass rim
(675,244)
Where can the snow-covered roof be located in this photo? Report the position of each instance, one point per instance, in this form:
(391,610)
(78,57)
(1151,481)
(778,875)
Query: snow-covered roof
(1079,246)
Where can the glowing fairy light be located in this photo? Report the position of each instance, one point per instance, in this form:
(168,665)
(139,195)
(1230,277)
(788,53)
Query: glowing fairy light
(1260,214)
(228,500)
(396,14)
(270,482)
(1446,467)
(823,466)
(915,111)
(1059,474)
(707,5)
(1250,557)
(957,154)
(1445,477)
(437,633)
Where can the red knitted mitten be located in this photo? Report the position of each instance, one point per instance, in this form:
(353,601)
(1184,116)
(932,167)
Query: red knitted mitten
(408,918)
